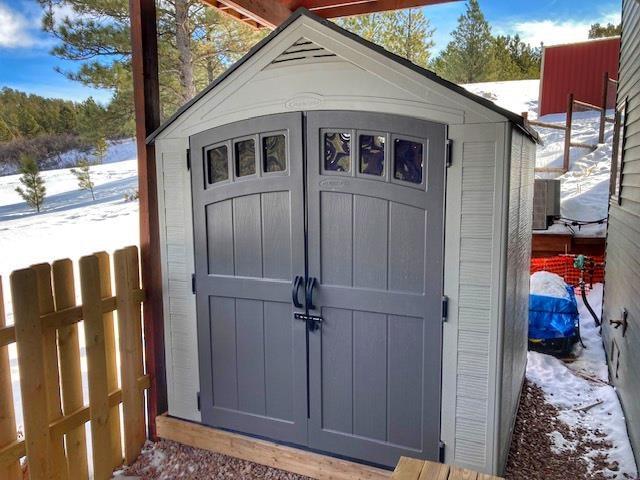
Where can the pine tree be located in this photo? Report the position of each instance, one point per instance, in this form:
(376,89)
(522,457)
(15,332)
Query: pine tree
(407,33)
(34,190)
(608,30)
(83,175)
(468,57)
(100,149)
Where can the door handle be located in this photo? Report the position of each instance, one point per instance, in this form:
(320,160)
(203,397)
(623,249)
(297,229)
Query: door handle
(297,282)
(311,283)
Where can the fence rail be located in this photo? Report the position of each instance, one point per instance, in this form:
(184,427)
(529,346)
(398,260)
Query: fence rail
(46,333)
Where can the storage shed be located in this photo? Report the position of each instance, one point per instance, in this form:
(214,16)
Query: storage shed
(359,232)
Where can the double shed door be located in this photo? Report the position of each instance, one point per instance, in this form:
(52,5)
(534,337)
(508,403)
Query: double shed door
(353,206)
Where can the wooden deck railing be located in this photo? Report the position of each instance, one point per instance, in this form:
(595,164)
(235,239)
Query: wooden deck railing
(46,332)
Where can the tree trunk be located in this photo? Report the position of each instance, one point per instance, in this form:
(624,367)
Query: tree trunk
(183,43)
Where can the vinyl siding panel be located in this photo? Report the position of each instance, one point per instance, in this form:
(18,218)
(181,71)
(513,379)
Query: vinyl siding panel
(622,274)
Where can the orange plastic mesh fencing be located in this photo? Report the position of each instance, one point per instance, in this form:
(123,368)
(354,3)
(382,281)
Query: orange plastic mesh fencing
(563,266)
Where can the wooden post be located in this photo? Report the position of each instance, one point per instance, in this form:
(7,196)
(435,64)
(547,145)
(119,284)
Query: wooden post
(97,366)
(70,371)
(567,135)
(50,347)
(144,60)
(603,113)
(24,293)
(130,334)
(8,433)
(112,367)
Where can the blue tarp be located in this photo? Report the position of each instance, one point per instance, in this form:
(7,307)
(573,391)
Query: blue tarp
(551,317)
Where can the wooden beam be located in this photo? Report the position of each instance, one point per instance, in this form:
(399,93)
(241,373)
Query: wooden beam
(351,9)
(271,454)
(146,90)
(269,13)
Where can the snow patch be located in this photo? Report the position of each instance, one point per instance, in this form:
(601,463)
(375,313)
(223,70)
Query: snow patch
(548,284)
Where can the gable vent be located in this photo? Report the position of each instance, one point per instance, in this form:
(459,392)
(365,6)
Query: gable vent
(303,51)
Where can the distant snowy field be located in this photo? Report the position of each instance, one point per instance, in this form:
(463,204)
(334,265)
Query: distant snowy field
(585,187)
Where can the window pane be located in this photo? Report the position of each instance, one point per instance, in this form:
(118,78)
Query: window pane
(372,154)
(245,158)
(408,161)
(337,152)
(274,153)
(217,164)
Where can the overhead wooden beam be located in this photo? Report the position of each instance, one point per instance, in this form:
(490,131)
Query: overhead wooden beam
(146,96)
(346,8)
(268,13)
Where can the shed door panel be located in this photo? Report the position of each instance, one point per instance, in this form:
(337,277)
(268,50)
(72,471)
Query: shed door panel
(375,188)
(249,236)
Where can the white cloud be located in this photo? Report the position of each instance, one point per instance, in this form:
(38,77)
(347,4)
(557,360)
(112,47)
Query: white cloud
(553,32)
(15,30)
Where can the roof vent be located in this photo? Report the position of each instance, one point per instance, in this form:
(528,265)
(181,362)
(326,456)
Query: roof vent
(303,51)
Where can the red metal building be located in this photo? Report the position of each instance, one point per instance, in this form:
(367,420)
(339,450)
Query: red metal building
(577,68)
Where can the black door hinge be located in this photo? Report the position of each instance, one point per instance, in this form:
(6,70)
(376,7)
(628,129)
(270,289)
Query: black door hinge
(188,159)
(198,400)
(441,447)
(448,152)
(193,283)
(445,308)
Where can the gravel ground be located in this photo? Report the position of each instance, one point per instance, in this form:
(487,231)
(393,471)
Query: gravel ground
(166,460)
(533,456)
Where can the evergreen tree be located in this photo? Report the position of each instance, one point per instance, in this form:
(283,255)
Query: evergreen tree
(468,57)
(83,175)
(407,33)
(34,190)
(100,150)
(514,60)
(609,30)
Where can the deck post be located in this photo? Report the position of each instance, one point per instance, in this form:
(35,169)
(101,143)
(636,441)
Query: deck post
(144,48)
(603,113)
(567,136)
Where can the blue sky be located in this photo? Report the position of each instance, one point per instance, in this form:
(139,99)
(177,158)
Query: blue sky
(26,64)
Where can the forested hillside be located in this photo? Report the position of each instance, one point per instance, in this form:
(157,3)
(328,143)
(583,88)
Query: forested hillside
(45,128)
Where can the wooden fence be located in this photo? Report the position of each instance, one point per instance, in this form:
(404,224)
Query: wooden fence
(609,87)
(46,332)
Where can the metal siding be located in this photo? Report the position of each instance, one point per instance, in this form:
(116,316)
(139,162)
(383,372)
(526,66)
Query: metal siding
(622,274)
(576,68)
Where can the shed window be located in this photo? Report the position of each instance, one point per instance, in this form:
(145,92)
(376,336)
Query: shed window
(274,148)
(372,154)
(618,151)
(337,151)
(245,151)
(217,164)
(408,161)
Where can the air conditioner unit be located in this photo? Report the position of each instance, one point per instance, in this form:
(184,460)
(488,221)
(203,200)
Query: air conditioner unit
(546,203)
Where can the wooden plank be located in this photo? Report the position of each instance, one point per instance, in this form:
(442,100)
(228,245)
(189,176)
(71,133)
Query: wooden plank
(458,473)
(112,367)
(408,469)
(266,12)
(131,361)
(146,99)
(70,369)
(434,471)
(57,455)
(97,367)
(373,6)
(266,453)
(7,335)
(24,293)
(567,135)
(8,434)
(11,453)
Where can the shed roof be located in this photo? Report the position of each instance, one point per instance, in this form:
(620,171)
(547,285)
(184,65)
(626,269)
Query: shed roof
(514,118)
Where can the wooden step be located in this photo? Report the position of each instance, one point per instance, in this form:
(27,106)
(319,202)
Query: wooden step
(412,469)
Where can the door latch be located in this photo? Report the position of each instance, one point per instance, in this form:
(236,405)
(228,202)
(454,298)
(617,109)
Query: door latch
(624,322)
(313,321)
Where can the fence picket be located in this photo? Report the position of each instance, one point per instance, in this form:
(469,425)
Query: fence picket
(70,369)
(24,293)
(97,365)
(130,329)
(112,367)
(46,305)
(8,432)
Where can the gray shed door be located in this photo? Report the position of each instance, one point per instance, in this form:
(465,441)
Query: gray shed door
(360,219)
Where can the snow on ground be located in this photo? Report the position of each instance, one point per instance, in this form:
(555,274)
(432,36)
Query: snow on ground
(586,401)
(71,225)
(585,187)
